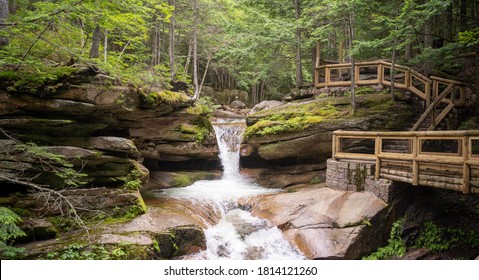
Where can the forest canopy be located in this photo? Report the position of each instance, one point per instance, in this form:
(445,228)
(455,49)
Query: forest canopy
(264,47)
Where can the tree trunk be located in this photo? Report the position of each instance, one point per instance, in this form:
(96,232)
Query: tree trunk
(195,51)
(171,48)
(299,68)
(353,60)
(188,59)
(204,74)
(154,41)
(105,47)
(393,61)
(95,44)
(3,17)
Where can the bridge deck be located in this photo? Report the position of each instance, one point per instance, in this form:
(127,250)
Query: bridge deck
(440,159)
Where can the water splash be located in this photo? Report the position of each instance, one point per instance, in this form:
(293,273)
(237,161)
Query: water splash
(238,235)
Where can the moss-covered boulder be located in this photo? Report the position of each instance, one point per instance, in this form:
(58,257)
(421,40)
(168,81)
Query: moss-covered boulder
(301,132)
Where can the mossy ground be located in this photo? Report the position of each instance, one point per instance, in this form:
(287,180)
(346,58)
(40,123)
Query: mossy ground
(166,97)
(300,116)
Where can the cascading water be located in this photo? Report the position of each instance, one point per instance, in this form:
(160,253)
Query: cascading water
(238,235)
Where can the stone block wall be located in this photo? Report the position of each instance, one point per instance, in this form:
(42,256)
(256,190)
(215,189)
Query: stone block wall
(358,176)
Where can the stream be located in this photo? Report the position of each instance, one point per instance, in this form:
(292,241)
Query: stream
(236,234)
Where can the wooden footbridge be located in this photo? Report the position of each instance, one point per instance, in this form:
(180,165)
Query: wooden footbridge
(440,159)
(440,95)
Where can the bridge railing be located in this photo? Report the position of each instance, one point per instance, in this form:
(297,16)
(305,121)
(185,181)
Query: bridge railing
(379,72)
(442,159)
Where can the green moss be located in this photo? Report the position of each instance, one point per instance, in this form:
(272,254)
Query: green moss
(166,97)
(270,127)
(181,180)
(199,130)
(357,177)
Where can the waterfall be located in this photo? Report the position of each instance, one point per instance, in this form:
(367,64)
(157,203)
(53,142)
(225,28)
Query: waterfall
(229,135)
(238,234)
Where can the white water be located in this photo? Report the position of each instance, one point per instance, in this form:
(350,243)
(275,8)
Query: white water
(238,235)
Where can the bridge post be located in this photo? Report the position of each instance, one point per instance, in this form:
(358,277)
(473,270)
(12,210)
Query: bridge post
(466,169)
(416,142)
(377,151)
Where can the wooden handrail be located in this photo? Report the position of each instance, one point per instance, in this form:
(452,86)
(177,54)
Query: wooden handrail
(432,106)
(436,162)
(429,91)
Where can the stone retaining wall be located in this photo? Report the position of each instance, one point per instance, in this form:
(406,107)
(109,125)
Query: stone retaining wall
(358,176)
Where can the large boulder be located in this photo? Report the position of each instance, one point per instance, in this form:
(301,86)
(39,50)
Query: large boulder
(301,132)
(265,105)
(325,223)
(237,105)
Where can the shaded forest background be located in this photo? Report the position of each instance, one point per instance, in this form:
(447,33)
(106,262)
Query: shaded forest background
(263,47)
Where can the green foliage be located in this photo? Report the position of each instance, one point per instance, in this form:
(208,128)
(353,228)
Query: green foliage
(439,239)
(156,246)
(470,38)
(203,107)
(56,163)
(76,251)
(396,246)
(9,231)
(133,180)
(35,79)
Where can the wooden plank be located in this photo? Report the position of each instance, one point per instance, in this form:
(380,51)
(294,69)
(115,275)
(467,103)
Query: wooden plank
(440,185)
(355,156)
(416,91)
(367,82)
(415,164)
(473,162)
(338,84)
(447,81)
(396,156)
(450,134)
(440,159)
(440,179)
(396,178)
(441,116)
(396,172)
(431,108)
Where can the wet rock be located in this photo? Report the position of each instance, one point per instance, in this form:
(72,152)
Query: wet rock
(284,176)
(323,222)
(244,226)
